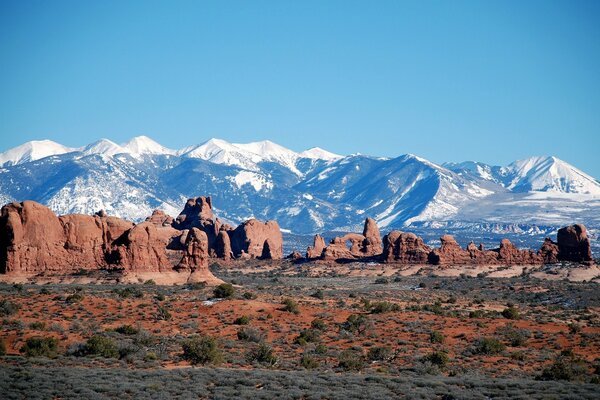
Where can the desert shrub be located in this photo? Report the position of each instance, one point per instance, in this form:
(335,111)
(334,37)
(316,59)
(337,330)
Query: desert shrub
(249,334)
(476,314)
(2,348)
(382,280)
(263,353)
(127,330)
(249,296)
(243,320)
(74,298)
(318,294)
(379,353)
(566,367)
(129,292)
(383,307)
(307,336)
(37,325)
(518,356)
(511,313)
(574,328)
(435,308)
(150,282)
(318,324)
(356,323)
(101,346)
(8,308)
(320,349)
(290,305)
(38,346)
(515,337)
(309,361)
(436,337)
(162,314)
(439,358)
(488,346)
(202,350)
(351,360)
(224,291)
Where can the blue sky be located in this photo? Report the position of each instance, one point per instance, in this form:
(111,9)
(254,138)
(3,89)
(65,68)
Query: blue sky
(447,80)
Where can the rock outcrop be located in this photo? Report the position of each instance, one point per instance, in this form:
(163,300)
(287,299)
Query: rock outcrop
(372,242)
(256,239)
(33,240)
(405,248)
(316,250)
(350,246)
(159,218)
(574,244)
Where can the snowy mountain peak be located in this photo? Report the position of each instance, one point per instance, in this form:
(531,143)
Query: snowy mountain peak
(31,151)
(144,145)
(317,153)
(103,147)
(548,174)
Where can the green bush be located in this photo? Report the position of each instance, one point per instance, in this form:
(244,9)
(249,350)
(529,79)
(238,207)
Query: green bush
(202,350)
(37,325)
(318,294)
(511,313)
(249,296)
(318,324)
(436,337)
(249,334)
(2,348)
(163,314)
(309,362)
(290,305)
(263,353)
(380,307)
(243,320)
(101,346)
(8,308)
(307,336)
(379,353)
(356,323)
(351,360)
(224,291)
(127,330)
(130,292)
(488,346)
(565,368)
(515,337)
(439,358)
(38,346)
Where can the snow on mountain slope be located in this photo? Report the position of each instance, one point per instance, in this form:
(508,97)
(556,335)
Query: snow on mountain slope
(547,174)
(318,153)
(144,145)
(31,151)
(103,146)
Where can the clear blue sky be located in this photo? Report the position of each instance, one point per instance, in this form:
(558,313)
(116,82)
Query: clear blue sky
(447,80)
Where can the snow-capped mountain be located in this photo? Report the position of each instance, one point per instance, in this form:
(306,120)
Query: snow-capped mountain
(306,192)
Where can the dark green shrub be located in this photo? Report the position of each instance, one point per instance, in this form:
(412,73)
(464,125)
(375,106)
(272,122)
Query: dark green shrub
(263,353)
(74,298)
(290,305)
(224,291)
(351,360)
(202,350)
(318,324)
(383,307)
(37,325)
(101,346)
(436,337)
(318,294)
(566,367)
(163,314)
(488,346)
(476,314)
(309,362)
(321,349)
(130,292)
(150,282)
(38,346)
(249,296)
(249,334)
(515,337)
(356,323)
(8,308)
(243,320)
(439,358)
(307,336)
(127,330)
(382,280)
(511,313)
(2,348)
(379,353)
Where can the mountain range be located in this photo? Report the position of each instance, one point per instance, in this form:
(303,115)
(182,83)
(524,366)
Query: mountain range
(311,191)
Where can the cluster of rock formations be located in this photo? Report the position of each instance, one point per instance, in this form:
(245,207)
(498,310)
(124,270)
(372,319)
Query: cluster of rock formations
(407,248)
(33,240)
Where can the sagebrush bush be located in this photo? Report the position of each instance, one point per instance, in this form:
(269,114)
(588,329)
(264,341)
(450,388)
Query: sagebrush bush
(290,305)
(202,350)
(263,353)
(224,291)
(351,360)
(488,346)
(101,346)
(38,346)
(8,308)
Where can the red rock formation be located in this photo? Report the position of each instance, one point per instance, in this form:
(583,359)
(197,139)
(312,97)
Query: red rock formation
(316,250)
(223,245)
(371,245)
(255,239)
(34,240)
(196,213)
(159,218)
(405,248)
(574,244)
(549,251)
